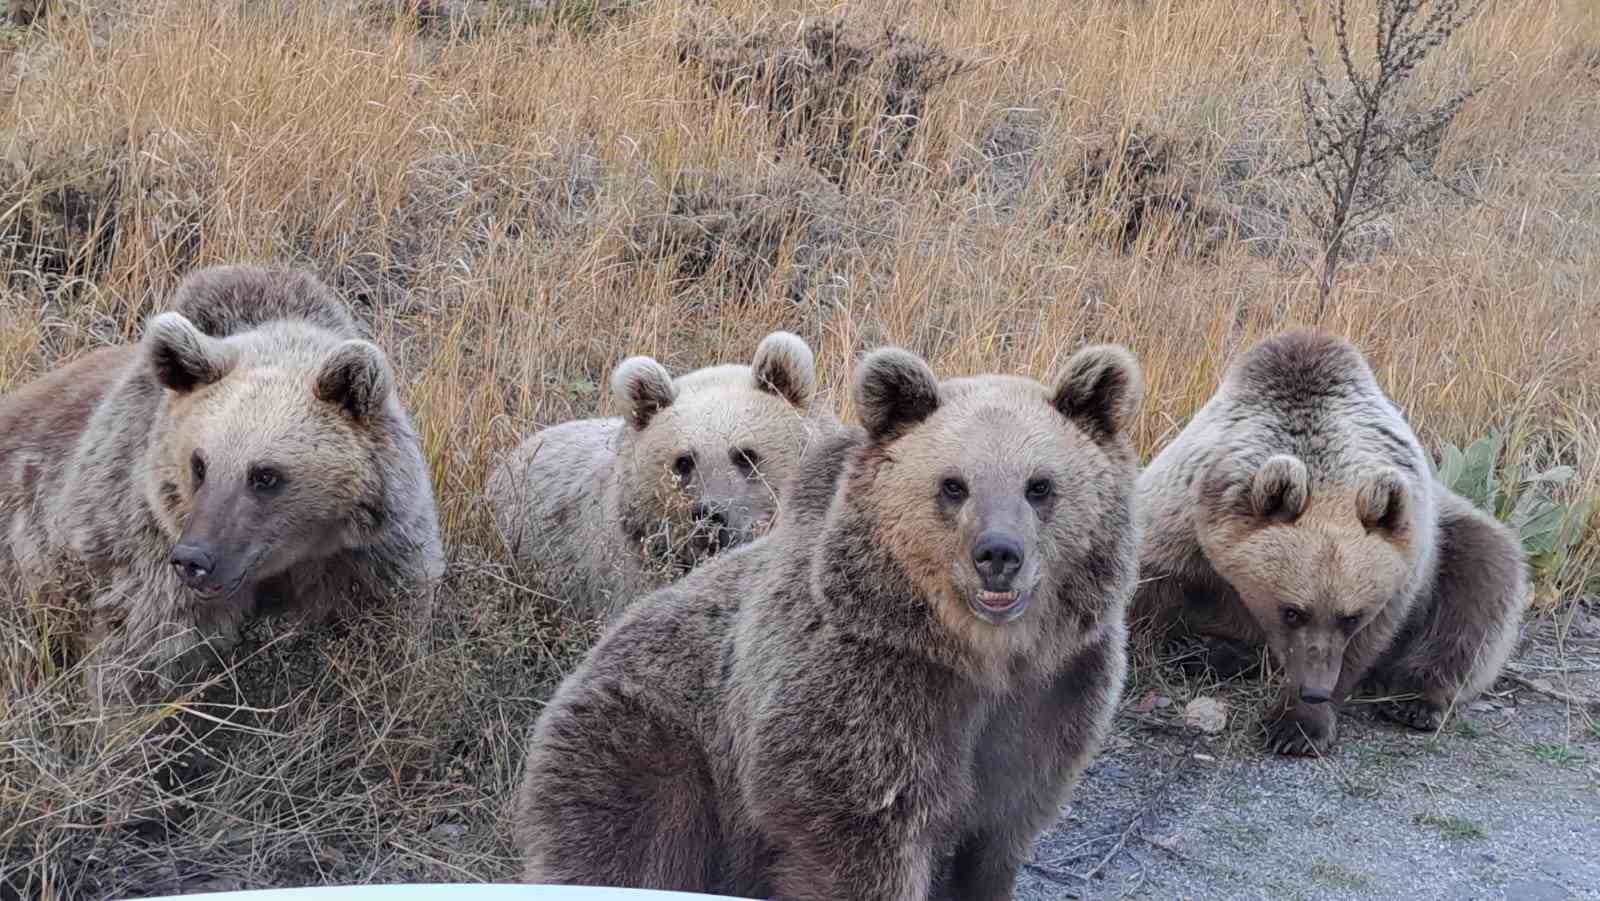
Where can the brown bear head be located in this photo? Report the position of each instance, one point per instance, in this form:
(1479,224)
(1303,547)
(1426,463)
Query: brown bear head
(1313,563)
(264,452)
(1006,503)
(702,457)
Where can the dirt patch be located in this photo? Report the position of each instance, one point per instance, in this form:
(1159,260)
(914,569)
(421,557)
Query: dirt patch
(843,98)
(1502,802)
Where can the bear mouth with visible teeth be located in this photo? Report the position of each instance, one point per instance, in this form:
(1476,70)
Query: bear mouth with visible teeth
(998,607)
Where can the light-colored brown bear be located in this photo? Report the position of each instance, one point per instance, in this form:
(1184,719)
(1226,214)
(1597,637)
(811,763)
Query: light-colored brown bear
(601,511)
(1297,510)
(249,456)
(889,695)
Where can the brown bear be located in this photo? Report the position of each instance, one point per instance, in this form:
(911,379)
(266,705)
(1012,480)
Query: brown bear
(1299,511)
(249,456)
(600,512)
(890,694)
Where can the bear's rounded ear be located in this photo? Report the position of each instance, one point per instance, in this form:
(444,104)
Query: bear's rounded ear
(646,388)
(1101,390)
(783,365)
(182,357)
(356,377)
(1383,501)
(895,390)
(1280,489)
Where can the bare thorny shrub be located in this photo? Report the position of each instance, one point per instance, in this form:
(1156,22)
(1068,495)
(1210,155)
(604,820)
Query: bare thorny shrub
(1358,135)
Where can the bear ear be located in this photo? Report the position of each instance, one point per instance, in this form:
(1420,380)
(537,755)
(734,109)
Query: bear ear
(1101,389)
(1383,501)
(1280,489)
(783,365)
(356,377)
(184,358)
(895,390)
(646,387)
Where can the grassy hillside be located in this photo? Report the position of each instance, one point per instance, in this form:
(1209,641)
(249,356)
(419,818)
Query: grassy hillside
(515,195)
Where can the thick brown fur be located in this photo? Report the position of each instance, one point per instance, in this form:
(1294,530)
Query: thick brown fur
(599,512)
(1298,510)
(866,703)
(253,433)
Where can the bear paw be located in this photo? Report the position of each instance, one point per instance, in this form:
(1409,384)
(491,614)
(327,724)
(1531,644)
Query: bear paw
(1302,731)
(1219,658)
(1419,714)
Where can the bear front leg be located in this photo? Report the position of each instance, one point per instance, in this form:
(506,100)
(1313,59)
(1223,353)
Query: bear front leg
(984,867)
(1456,645)
(613,794)
(874,865)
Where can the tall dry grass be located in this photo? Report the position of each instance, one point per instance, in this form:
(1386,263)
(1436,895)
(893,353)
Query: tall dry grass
(513,196)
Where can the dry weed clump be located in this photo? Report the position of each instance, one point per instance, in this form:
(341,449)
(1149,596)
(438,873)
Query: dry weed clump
(1142,186)
(843,99)
(59,210)
(731,235)
(310,757)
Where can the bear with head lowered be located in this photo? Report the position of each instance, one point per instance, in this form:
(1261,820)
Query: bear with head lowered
(1298,511)
(249,456)
(890,694)
(600,512)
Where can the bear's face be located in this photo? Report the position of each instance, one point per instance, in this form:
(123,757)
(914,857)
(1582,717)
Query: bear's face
(702,457)
(1313,566)
(993,491)
(263,457)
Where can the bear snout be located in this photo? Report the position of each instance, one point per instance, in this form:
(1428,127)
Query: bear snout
(195,565)
(998,557)
(711,514)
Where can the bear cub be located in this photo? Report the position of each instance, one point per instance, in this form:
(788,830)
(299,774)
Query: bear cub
(889,695)
(1299,511)
(602,511)
(249,456)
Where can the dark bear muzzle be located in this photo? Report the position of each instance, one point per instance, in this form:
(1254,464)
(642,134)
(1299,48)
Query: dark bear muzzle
(196,566)
(998,557)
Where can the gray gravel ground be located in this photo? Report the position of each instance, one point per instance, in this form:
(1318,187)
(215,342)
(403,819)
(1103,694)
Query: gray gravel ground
(1503,802)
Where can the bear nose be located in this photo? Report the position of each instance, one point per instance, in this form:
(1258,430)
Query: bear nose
(709,513)
(193,563)
(1315,695)
(997,557)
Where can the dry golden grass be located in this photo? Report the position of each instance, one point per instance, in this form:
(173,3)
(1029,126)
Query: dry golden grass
(485,190)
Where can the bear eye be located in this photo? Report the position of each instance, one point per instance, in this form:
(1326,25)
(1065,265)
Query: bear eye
(953,489)
(684,465)
(746,459)
(264,478)
(197,466)
(1039,489)
(1350,621)
(1293,616)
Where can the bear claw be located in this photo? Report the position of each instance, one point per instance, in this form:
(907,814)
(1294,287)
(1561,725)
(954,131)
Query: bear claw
(1418,714)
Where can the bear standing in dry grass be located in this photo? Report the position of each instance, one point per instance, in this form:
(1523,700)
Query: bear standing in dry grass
(1298,510)
(602,511)
(249,456)
(892,693)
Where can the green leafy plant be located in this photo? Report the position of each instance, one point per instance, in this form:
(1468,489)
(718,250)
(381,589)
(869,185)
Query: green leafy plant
(1548,529)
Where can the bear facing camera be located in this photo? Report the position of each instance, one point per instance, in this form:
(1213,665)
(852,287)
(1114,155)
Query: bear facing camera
(1298,511)
(249,456)
(602,511)
(892,692)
